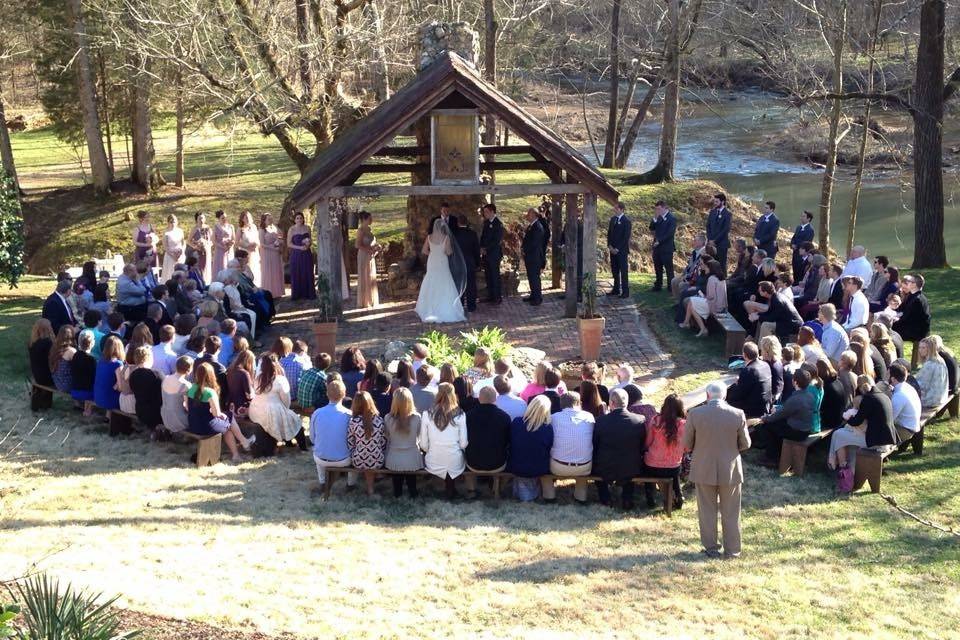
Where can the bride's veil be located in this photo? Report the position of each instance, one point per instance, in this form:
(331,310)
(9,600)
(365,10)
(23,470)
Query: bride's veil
(458,265)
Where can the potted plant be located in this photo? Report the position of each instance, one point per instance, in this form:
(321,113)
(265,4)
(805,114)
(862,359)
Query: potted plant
(589,323)
(325,324)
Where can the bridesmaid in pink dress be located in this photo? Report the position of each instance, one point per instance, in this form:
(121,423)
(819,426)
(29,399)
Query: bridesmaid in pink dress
(271,262)
(224,238)
(368,294)
(248,239)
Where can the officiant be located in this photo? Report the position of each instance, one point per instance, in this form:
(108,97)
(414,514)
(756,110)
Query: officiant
(534,255)
(491,250)
(469,244)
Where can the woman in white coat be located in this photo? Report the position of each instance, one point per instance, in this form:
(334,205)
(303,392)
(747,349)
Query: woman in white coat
(443,437)
(270,406)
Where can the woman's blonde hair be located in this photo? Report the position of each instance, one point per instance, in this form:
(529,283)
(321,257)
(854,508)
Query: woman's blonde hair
(112,349)
(933,353)
(481,360)
(41,329)
(141,336)
(770,348)
(401,408)
(244,360)
(446,407)
(864,383)
(542,367)
(848,358)
(139,355)
(364,407)
(448,373)
(537,413)
(209,309)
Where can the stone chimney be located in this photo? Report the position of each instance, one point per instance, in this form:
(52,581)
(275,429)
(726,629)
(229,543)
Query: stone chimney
(436,38)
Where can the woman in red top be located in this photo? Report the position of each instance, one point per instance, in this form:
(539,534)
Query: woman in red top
(663,454)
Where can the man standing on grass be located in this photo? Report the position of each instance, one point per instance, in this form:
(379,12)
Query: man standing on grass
(716,433)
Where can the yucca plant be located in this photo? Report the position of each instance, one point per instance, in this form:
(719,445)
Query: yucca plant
(53,613)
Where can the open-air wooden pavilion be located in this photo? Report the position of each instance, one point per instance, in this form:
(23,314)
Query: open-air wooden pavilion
(443,106)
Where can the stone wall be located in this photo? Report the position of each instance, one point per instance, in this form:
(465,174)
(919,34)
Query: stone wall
(439,37)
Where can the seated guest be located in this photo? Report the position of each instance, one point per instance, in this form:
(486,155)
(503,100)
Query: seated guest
(846,373)
(792,357)
(663,447)
(448,373)
(538,385)
(115,327)
(465,394)
(101,300)
(590,399)
(618,448)
(168,308)
(183,326)
(205,417)
(635,403)
(380,394)
(752,392)
(255,298)
(233,304)
(482,367)
(914,322)
(815,388)
(208,314)
(792,421)
(781,317)
(403,453)
(863,364)
(531,440)
(507,400)
(906,404)
(572,452)
(146,383)
(858,265)
(880,339)
(424,393)
(858,308)
(163,355)
(329,426)
(211,355)
(811,347)
(589,371)
(352,366)
(153,321)
(83,371)
(710,301)
(953,375)
(861,336)
(688,277)
(228,332)
(806,290)
(834,339)
(488,435)
(834,401)
(551,383)
(136,357)
(240,376)
(770,353)
(293,363)
(195,273)
(91,325)
(105,393)
(888,287)
(131,296)
(504,367)
(405,377)
(173,396)
(57,308)
(868,426)
(419,352)
(370,373)
(312,388)
(141,336)
(194,346)
(878,278)
(61,354)
(443,437)
(366,438)
(890,313)
(932,376)
(624,376)
(270,406)
(825,290)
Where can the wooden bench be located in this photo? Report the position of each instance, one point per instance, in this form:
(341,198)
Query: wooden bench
(869,465)
(793,453)
(736,335)
(665,485)
(209,448)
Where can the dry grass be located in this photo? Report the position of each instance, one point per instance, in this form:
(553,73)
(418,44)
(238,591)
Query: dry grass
(247,546)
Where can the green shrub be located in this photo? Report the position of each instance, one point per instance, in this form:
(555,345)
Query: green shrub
(11,233)
(52,613)
(459,353)
(7,614)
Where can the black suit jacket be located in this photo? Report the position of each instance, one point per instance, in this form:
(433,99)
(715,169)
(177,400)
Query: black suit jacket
(491,238)
(664,230)
(55,310)
(554,399)
(765,234)
(618,443)
(718,227)
(469,245)
(533,245)
(836,294)
(786,316)
(753,390)
(488,435)
(618,234)
(801,234)
(914,322)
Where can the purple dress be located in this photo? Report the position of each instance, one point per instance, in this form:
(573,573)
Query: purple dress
(142,252)
(301,270)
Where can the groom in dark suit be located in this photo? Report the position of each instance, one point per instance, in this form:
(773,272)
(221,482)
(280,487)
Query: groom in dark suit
(618,242)
(534,255)
(491,250)
(664,228)
(466,239)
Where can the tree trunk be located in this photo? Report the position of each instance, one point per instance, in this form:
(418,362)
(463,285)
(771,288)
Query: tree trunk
(610,148)
(861,162)
(625,110)
(381,73)
(929,250)
(99,165)
(6,149)
(303,56)
(178,177)
(145,172)
(106,110)
(826,190)
(490,75)
(623,155)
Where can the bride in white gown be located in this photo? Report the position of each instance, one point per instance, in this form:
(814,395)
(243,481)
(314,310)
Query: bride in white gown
(439,299)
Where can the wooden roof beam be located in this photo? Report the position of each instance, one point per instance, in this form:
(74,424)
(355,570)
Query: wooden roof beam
(374,191)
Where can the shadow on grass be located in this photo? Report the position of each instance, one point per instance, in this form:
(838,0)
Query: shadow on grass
(553,569)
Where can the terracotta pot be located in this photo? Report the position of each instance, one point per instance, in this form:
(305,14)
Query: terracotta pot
(325,338)
(591,337)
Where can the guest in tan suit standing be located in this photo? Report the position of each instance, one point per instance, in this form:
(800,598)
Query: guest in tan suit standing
(716,433)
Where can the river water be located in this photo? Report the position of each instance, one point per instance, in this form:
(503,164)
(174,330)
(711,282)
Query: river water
(721,138)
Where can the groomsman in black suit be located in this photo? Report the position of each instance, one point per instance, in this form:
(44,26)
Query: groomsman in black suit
(618,242)
(491,250)
(470,247)
(445,215)
(534,257)
(718,228)
(765,234)
(664,227)
(803,233)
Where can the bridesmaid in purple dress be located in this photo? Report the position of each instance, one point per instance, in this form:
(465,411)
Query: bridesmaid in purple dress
(301,260)
(145,240)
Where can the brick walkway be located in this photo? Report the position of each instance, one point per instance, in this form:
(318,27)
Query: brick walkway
(626,336)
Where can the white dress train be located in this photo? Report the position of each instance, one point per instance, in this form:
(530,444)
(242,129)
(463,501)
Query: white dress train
(439,299)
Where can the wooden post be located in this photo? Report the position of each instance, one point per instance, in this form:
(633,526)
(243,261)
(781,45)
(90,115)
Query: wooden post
(329,250)
(589,234)
(556,230)
(570,255)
